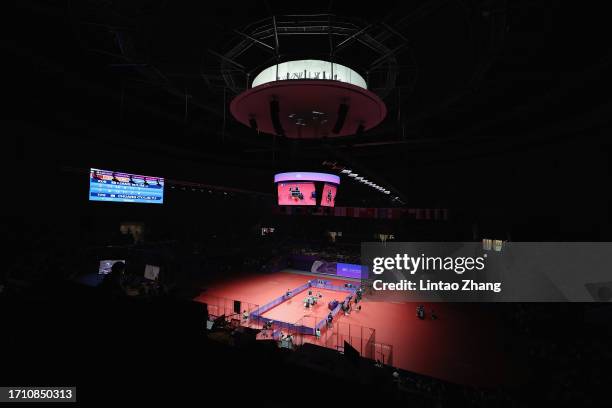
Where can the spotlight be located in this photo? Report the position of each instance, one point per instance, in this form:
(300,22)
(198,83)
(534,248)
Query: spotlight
(353,175)
(346,171)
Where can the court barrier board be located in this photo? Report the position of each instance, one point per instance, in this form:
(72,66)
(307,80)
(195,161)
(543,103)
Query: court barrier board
(291,293)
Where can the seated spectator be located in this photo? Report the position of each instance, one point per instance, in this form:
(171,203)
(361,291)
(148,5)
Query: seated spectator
(420,311)
(112,282)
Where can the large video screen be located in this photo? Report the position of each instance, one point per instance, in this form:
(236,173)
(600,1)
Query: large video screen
(329,195)
(297,193)
(105,185)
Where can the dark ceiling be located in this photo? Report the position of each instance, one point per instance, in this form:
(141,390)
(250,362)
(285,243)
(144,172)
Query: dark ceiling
(479,93)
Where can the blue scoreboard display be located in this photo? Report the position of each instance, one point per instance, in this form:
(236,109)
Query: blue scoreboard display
(105,185)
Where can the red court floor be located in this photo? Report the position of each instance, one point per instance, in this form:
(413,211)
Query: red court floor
(465,345)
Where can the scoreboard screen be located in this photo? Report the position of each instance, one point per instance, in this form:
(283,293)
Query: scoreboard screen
(329,195)
(106,185)
(297,193)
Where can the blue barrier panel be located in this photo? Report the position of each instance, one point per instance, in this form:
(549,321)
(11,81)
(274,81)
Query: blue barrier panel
(263,309)
(334,312)
(323,284)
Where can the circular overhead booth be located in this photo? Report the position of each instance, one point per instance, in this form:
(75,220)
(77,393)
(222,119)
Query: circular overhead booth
(309,99)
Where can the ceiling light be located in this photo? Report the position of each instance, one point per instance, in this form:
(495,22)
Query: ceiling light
(345,171)
(353,174)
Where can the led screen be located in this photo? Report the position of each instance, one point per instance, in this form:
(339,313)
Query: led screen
(106,265)
(297,193)
(351,271)
(329,195)
(105,185)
